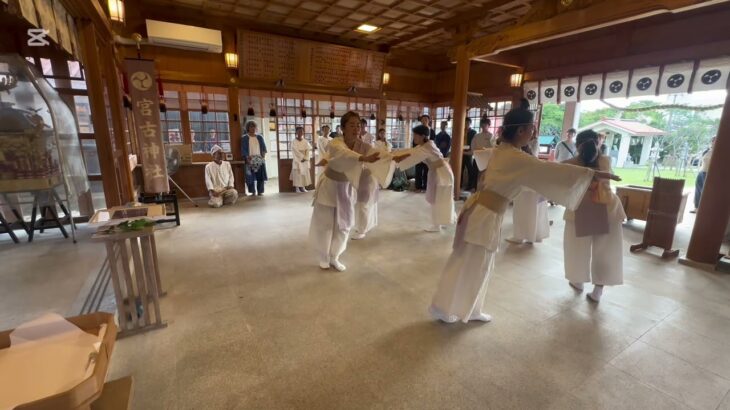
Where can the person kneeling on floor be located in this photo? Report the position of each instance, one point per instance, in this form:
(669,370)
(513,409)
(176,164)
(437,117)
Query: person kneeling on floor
(219,180)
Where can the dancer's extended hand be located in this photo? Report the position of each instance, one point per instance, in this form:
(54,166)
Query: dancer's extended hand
(322,162)
(607,175)
(399,158)
(370,158)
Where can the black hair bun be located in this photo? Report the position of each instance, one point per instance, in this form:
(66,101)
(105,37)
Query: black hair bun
(524,104)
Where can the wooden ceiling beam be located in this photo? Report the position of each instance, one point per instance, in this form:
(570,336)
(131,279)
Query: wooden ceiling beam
(464,19)
(604,13)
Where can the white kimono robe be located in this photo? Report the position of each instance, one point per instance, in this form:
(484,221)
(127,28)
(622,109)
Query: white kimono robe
(366,207)
(530,221)
(440,187)
(464,280)
(334,199)
(597,259)
(302,153)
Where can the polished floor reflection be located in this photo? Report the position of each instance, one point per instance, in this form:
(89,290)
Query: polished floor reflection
(254,323)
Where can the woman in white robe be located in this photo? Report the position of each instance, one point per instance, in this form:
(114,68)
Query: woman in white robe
(440,186)
(368,193)
(594,258)
(530,223)
(381,142)
(334,199)
(463,283)
(301,153)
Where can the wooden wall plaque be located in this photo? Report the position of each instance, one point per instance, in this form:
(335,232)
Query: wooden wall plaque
(271,57)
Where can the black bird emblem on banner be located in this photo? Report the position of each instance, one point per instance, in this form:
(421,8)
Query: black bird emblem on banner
(644,83)
(675,81)
(711,77)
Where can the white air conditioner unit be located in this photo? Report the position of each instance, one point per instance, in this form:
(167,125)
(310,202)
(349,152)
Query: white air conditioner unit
(166,34)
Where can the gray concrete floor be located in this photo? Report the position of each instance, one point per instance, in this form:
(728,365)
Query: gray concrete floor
(255,324)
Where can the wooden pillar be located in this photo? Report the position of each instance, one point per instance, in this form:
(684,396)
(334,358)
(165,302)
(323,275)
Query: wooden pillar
(714,211)
(382,112)
(571,117)
(104,146)
(461,87)
(111,78)
(234,116)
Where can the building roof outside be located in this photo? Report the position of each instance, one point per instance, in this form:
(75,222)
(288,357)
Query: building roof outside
(634,128)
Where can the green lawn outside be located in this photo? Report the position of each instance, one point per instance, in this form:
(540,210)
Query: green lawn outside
(637,176)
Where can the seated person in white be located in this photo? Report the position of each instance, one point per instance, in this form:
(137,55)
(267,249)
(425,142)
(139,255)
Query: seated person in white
(440,180)
(302,153)
(219,180)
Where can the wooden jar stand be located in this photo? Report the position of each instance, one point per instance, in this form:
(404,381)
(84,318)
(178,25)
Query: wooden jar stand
(136,279)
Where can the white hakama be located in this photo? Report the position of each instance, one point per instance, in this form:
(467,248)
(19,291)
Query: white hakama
(440,186)
(368,193)
(334,199)
(599,258)
(530,221)
(300,173)
(464,280)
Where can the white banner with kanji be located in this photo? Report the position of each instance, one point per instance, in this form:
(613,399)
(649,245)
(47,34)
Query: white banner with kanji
(146,109)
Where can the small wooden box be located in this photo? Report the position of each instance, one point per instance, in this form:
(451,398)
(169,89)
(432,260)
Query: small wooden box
(81,396)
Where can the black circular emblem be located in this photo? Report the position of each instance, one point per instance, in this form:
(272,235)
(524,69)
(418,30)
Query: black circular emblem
(711,77)
(531,95)
(616,87)
(591,89)
(569,91)
(549,92)
(675,80)
(644,83)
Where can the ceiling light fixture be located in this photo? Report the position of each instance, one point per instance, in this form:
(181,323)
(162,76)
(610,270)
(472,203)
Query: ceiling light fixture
(367,28)
(116,10)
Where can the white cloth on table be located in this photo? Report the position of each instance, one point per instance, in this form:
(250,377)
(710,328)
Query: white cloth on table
(302,153)
(440,186)
(599,258)
(218,177)
(464,280)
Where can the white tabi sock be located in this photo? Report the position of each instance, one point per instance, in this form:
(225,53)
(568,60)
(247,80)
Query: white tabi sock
(596,294)
(338,265)
(576,286)
(483,317)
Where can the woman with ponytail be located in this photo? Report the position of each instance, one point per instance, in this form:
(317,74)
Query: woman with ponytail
(593,244)
(507,171)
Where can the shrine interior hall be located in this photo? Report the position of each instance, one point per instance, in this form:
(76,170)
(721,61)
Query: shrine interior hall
(119,277)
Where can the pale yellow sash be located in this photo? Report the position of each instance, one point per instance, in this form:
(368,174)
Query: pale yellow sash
(488,199)
(334,175)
